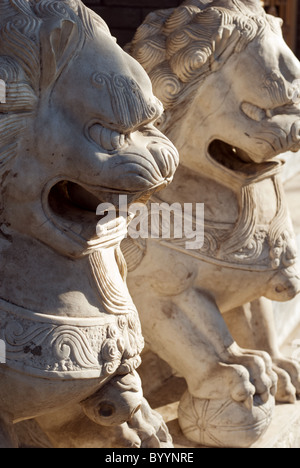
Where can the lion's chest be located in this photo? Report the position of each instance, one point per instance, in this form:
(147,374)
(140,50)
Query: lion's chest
(266,202)
(261,237)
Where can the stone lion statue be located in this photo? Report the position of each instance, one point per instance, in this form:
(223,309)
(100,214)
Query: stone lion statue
(76,131)
(230,87)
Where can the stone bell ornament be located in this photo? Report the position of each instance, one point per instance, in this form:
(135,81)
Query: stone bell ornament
(76,131)
(230,88)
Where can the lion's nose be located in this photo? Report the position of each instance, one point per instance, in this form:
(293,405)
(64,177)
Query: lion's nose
(166,157)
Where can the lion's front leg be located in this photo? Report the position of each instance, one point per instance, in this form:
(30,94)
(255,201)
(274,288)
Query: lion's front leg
(226,384)
(192,336)
(252,326)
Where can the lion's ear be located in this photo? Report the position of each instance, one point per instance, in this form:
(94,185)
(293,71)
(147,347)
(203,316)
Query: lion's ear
(57,44)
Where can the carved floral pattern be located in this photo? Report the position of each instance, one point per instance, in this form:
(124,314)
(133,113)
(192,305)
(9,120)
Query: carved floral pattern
(82,348)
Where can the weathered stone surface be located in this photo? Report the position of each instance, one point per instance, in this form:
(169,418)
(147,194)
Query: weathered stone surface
(287,315)
(283,431)
(76,131)
(230,87)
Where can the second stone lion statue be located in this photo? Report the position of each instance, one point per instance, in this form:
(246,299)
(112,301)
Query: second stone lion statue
(230,87)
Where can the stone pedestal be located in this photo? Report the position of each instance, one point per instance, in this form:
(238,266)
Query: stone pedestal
(284,431)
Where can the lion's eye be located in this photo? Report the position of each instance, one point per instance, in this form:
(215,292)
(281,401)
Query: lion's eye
(109,140)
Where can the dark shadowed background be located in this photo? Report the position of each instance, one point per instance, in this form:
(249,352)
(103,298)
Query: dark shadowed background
(124,16)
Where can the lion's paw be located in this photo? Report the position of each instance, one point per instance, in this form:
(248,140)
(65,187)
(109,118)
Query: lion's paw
(150,428)
(258,365)
(120,405)
(288,372)
(240,375)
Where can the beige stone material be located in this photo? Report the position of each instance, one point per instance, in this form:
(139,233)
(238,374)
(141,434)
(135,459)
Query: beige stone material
(287,315)
(230,87)
(76,131)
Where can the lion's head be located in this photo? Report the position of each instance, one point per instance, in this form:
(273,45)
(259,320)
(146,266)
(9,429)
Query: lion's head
(228,81)
(77,125)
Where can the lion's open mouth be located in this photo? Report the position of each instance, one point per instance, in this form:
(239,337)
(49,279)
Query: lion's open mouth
(72,209)
(235,159)
(75,196)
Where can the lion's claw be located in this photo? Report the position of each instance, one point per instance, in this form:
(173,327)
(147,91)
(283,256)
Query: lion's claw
(150,428)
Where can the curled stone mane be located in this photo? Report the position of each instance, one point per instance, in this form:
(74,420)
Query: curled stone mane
(35,35)
(177,47)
